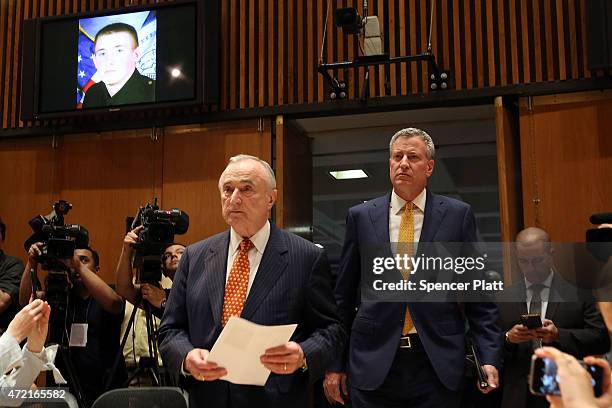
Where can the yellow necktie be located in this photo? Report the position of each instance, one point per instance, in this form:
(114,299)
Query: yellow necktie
(406,246)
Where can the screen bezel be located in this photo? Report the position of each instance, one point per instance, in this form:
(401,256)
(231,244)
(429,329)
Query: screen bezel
(206,83)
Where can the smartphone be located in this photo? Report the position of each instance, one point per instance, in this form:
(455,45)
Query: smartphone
(543,379)
(531,321)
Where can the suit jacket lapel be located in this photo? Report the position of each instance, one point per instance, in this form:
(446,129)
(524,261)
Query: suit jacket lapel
(379,216)
(272,265)
(434,213)
(521,293)
(216,267)
(554,298)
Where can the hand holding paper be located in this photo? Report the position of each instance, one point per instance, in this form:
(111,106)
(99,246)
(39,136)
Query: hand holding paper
(242,344)
(284,359)
(197,364)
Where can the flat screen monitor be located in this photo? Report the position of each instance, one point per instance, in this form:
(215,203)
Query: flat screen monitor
(130,58)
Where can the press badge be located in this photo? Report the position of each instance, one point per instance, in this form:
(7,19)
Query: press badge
(78,335)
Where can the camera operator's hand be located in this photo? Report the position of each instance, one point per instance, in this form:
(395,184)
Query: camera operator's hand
(123,273)
(131,238)
(520,334)
(34,252)
(26,319)
(574,381)
(154,295)
(196,363)
(101,292)
(38,333)
(549,333)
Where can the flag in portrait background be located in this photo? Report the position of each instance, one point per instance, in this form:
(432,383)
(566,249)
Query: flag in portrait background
(144,23)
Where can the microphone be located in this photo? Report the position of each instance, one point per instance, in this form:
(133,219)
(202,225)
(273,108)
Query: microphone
(601,218)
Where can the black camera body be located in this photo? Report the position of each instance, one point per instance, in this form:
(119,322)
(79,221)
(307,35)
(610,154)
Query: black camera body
(159,229)
(59,240)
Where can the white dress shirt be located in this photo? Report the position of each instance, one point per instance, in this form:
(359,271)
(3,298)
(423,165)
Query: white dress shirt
(544,294)
(396,209)
(259,240)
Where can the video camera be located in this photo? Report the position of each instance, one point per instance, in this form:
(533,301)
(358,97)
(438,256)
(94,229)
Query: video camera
(159,228)
(59,240)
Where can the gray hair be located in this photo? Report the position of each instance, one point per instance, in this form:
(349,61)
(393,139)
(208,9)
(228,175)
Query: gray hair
(266,166)
(414,132)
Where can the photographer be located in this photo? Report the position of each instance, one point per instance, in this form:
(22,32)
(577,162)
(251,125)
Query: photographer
(156,294)
(92,320)
(10,273)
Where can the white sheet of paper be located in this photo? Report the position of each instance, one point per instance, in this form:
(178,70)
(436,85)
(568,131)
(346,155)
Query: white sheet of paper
(240,345)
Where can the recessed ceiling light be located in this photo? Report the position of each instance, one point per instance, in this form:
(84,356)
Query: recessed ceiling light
(348,174)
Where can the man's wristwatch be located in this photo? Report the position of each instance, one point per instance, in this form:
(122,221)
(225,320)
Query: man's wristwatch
(507,337)
(162,305)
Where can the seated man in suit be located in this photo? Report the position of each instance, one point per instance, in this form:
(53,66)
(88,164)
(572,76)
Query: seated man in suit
(260,273)
(569,322)
(408,354)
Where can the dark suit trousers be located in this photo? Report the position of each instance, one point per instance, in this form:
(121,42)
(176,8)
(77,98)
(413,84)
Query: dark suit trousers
(222,394)
(411,382)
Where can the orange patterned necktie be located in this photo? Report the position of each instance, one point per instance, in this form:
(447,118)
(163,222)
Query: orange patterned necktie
(237,283)
(406,246)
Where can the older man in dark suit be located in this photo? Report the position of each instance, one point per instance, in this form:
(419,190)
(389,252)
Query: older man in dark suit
(407,354)
(262,274)
(570,319)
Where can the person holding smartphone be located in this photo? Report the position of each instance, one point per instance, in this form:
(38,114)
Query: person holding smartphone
(569,322)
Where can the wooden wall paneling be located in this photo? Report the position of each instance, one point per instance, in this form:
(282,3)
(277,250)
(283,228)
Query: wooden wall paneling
(467,45)
(10,27)
(294,180)
(16,74)
(282,79)
(501,43)
(271,48)
(300,50)
(290,47)
(564,183)
(224,56)
(320,22)
(261,36)
(403,50)
(424,34)
(548,40)
(525,41)
(561,40)
(393,77)
(4,34)
(583,35)
(107,177)
(381,72)
(252,53)
(233,50)
(268,49)
(457,46)
(509,175)
(573,41)
(478,28)
(490,43)
(243,52)
(537,41)
(194,158)
(413,46)
(310,59)
(27,186)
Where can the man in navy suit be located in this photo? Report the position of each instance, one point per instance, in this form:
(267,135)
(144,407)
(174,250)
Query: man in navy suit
(262,274)
(397,358)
